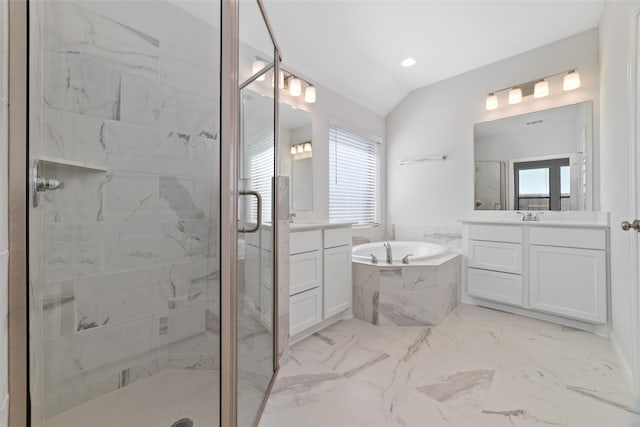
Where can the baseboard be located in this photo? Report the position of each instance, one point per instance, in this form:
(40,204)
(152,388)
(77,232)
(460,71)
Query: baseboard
(602,330)
(345,315)
(626,368)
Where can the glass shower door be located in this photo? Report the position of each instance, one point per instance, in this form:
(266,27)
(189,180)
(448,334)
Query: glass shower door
(124,218)
(256,171)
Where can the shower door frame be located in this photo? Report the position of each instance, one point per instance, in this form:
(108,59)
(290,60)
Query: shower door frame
(17,174)
(229,191)
(18,279)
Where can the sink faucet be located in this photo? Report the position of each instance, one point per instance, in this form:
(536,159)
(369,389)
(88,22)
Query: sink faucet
(387,246)
(529,216)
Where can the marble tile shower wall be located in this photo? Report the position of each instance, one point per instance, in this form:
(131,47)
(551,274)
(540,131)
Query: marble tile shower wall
(130,259)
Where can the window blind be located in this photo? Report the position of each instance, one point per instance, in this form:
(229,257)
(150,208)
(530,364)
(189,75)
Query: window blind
(261,170)
(353,183)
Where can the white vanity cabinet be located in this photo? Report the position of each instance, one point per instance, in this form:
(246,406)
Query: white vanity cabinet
(337,271)
(552,271)
(568,272)
(320,277)
(494,256)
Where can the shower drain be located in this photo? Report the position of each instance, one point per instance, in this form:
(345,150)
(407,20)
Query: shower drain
(184,422)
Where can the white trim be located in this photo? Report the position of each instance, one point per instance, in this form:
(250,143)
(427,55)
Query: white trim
(624,364)
(357,130)
(345,315)
(632,74)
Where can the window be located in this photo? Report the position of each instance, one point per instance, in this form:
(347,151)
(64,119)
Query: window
(353,177)
(261,170)
(543,185)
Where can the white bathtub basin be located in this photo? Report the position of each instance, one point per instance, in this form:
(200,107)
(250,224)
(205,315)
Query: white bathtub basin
(422,251)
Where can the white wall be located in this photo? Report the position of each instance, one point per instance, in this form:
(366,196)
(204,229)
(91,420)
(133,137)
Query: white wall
(532,141)
(331,106)
(4,248)
(438,120)
(615,152)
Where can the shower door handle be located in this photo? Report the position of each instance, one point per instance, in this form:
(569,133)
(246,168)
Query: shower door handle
(259,220)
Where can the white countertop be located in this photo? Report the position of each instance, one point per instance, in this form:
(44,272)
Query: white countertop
(580,219)
(315,225)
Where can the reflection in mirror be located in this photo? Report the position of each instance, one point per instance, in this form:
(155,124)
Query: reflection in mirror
(296,155)
(535,161)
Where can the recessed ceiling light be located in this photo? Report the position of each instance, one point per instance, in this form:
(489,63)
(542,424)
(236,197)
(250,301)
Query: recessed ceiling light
(409,62)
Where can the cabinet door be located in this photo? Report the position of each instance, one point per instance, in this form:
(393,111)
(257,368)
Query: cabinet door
(305,272)
(495,286)
(337,280)
(569,281)
(496,256)
(305,310)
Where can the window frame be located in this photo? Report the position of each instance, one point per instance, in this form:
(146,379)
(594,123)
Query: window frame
(554,165)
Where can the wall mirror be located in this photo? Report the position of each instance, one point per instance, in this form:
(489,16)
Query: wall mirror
(535,161)
(296,155)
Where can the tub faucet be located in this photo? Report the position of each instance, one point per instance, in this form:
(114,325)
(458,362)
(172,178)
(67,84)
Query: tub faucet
(387,246)
(405,259)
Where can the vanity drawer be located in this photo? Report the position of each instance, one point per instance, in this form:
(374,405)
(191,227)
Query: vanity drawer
(495,286)
(584,238)
(305,272)
(334,237)
(305,241)
(305,310)
(495,233)
(497,256)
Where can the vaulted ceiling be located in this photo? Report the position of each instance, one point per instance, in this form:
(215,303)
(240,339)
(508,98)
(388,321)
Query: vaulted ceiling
(355,47)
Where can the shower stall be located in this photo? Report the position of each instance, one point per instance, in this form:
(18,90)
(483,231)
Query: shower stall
(145,306)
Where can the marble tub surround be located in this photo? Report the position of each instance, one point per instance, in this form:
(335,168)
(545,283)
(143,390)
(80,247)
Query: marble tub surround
(129,285)
(449,236)
(411,295)
(479,367)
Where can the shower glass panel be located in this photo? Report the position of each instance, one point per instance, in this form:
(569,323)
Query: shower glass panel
(124,252)
(256,170)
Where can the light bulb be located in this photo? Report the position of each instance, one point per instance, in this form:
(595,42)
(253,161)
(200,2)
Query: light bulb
(571,81)
(408,62)
(310,94)
(541,89)
(492,102)
(281,80)
(300,148)
(295,87)
(256,67)
(515,96)
(307,147)
(293,149)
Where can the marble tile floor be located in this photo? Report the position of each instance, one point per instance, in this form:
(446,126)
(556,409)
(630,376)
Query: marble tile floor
(159,400)
(479,367)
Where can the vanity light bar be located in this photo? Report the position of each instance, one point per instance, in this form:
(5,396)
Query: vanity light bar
(288,81)
(539,88)
(304,148)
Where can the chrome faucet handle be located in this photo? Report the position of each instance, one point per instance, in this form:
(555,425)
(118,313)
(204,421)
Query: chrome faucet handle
(405,259)
(374,259)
